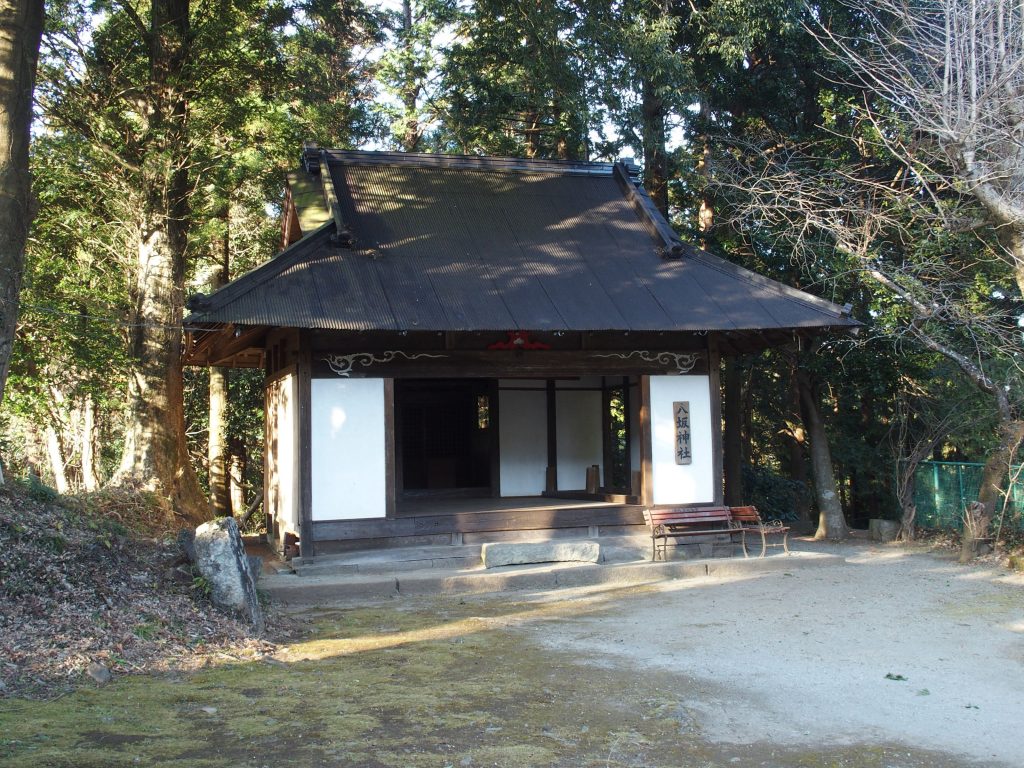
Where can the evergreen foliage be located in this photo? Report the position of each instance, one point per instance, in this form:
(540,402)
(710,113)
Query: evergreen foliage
(759,143)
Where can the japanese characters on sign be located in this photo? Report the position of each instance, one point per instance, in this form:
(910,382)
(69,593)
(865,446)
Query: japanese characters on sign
(681,418)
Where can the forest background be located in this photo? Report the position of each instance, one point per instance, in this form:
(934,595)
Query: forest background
(871,153)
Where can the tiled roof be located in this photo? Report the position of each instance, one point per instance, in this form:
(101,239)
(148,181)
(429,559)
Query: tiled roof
(438,243)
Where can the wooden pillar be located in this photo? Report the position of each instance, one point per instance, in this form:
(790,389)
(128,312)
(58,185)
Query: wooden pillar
(269,430)
(551,483)
(304,370)
(607,438)
(646,444)
(494,414)
(715,387)
(627,468)
(390,465)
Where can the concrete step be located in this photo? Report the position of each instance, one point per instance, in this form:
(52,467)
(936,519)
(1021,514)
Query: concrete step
(613,549)
(355,588)
(387,561)
(616,549)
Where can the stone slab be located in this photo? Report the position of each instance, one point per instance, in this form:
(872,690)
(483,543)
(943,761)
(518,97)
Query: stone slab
(499,554)
(298,592)
(883,530)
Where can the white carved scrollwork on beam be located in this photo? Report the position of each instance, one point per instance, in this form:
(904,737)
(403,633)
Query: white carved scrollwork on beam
(343,364)
(683,362)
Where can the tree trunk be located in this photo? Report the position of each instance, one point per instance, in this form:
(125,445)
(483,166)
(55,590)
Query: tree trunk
(155,456)
(732,438)
(412,132)
(220,498)
(236,474)
(21,28)
(56,444)
(532,134)
(217,444)
(831,522)
(655,155)
(906,485)
(706,211)
(90,475)
(58,466)
(978,517)
(906,488)
(797,444)
(908,522)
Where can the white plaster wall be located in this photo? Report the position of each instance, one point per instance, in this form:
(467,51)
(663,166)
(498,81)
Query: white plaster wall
(282,456)
(578,427)
(522,436)
(686,483)
(349,476)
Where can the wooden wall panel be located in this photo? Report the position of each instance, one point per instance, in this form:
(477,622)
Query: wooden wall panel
(474,522)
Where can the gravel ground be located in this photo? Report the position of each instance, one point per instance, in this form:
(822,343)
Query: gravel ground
(892,646)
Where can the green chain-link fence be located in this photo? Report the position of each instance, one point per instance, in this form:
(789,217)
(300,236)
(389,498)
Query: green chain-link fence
(943,489)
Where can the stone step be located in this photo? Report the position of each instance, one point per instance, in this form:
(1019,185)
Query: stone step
(506,553)
(386,561)
(293,590)
(456,557)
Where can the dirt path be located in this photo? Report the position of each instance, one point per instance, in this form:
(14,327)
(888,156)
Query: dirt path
(772,671)
(890,648)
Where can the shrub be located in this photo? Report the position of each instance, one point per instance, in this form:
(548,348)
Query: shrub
(776,497)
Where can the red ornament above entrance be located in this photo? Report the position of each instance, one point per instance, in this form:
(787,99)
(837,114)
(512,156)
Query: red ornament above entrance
(518,340)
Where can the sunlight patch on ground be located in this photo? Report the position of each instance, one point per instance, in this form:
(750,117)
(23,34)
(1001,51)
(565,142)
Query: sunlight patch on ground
(873,556)
(988,574)
(988,606)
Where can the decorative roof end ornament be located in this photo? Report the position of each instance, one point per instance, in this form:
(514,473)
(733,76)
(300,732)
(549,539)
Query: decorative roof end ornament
(197,302)
(311,157)
(671,251)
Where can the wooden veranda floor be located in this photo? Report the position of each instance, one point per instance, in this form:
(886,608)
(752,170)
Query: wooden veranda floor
(425,506)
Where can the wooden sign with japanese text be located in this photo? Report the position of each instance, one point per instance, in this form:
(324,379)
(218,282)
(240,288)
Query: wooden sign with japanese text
(681,418)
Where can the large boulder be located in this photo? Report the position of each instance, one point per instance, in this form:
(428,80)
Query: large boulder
(221,560)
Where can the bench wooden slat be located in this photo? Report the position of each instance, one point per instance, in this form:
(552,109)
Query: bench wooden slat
(686,516)
(688,521)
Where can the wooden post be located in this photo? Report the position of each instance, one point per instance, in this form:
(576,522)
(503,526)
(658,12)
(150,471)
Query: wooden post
(304,367)
(627,467)
(607,436)
(646,444)
(269,430)
(390,465)
(551,484)
(715,387)
(494,414)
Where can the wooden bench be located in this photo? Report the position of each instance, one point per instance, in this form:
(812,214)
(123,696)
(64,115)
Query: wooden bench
(748,519)
(695,521)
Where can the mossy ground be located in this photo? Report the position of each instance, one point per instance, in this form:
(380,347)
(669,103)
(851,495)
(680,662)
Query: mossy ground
(435,683)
